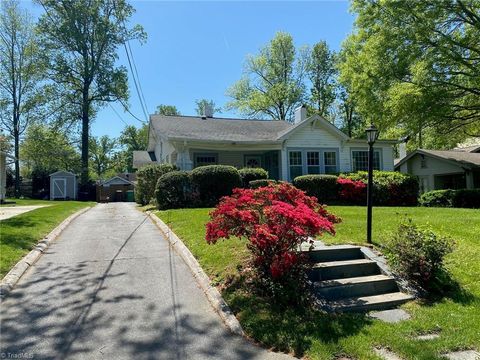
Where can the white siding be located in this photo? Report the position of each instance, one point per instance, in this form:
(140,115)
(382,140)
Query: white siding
(316,137)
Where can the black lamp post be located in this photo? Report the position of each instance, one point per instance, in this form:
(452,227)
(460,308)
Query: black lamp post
(372,133)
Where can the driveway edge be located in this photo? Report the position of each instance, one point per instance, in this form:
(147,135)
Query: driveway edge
(10,280)
(213,295)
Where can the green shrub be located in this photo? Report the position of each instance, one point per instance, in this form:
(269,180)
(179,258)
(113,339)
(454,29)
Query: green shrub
(418,255)
(390,188)
(466,198)
(214,181)
(255,184)
(174,190)
(324,187)
(437,198)
(462,198)
(147,178)
(252,174)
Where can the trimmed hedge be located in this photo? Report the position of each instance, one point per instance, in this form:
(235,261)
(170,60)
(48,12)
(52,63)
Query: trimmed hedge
(214,181)
(390,188)
(462,198)
(174,190)
(147,178)
(252,174)
(324,187)
(255,184)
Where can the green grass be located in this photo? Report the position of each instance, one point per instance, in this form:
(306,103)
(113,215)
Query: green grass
(316,335)
(20,233)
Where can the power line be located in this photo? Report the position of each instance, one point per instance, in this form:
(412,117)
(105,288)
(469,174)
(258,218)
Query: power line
(135,82)
(138,77)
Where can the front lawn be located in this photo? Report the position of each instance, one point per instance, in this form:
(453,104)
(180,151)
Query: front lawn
(315,335)
(20,233)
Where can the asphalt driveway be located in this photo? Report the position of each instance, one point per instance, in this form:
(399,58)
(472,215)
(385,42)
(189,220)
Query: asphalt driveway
(111,287)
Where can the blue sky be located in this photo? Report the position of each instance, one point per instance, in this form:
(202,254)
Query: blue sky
(197,49)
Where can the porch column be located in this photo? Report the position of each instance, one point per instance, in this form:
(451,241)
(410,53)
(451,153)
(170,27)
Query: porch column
(469,179)
(183,160)
(283,164)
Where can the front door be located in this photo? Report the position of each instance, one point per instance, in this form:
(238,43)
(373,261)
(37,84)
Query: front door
(253,161)
(59,188)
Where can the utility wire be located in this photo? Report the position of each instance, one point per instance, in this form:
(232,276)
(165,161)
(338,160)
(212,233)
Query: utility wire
(138,77)
(135,81)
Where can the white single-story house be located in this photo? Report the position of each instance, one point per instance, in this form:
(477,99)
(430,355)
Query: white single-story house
(286,150)
(443,169)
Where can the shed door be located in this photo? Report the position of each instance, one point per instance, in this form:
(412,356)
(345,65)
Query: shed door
(59,188)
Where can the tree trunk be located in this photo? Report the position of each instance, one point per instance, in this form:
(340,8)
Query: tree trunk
(16,136)
(85,133)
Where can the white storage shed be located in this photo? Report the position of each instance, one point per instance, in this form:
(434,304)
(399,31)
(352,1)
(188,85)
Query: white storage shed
(63,185)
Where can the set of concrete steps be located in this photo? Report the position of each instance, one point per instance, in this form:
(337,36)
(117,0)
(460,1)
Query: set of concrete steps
(345,279)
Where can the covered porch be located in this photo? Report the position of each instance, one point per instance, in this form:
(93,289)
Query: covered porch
(266,157)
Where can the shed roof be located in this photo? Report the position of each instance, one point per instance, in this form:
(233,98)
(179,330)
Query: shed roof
(63,173)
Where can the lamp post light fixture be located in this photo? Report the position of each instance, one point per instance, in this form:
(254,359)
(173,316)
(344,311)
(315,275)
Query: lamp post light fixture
(372,134)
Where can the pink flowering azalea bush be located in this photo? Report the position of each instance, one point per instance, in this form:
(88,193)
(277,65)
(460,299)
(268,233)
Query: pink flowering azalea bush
(352,191)
(275,220)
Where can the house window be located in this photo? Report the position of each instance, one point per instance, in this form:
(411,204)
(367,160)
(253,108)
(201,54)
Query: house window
(360,160)
(330,162)
(295,163)
(205,159)
(313,162)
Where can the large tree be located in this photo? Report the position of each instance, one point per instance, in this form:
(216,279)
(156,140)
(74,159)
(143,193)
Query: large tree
(321,72)
(102,154)
(273,84)
(170,110)
(416,65)
(81,38)
(46,149)
(20,75)
(131,139)
(203,105)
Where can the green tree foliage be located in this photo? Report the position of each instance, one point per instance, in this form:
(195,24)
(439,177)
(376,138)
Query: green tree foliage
(21,73)
(131,139)
(321,72)
(415,65)
(45,149)
(81,39)
(273,84)
(102,152)
(170,110)
(203,105)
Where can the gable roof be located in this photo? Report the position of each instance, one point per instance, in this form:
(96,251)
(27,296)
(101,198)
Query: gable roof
(462,157)
(316,118)
(116,180)
(63,173)
(218,129)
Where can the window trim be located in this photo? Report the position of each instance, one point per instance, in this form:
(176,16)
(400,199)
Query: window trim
(320,150)
(365,149)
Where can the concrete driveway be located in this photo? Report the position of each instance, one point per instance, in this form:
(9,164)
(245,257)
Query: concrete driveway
(6,212)
(110,287)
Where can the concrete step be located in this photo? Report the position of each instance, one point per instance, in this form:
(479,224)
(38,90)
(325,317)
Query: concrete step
(353,287)
(367,303)
(343,269)
(335,253)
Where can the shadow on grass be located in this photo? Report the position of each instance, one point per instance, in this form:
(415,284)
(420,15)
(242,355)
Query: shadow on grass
(446,287)
(291,329)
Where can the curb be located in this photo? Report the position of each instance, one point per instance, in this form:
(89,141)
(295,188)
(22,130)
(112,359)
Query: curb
(213,295)
(12,277)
